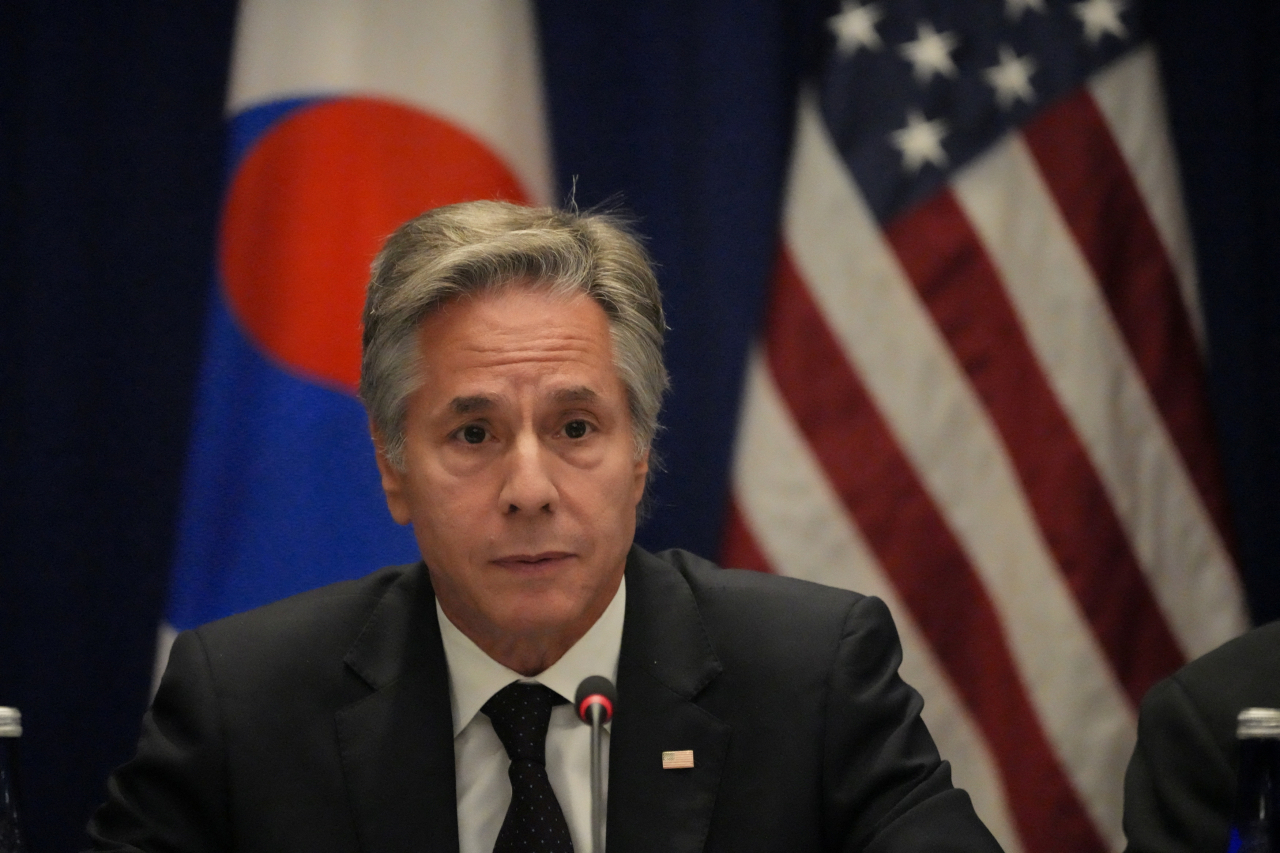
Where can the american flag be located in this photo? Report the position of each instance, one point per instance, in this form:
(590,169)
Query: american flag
(979,393)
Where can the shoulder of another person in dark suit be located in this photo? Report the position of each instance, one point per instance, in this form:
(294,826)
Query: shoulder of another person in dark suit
(1180,783)
(1241,673)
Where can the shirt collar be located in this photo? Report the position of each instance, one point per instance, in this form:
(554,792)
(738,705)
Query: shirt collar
(474,676)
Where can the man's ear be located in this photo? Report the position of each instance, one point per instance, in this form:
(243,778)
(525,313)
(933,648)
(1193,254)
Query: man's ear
(641,474)
(394,484)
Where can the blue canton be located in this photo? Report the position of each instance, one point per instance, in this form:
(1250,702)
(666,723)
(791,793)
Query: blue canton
(913,90)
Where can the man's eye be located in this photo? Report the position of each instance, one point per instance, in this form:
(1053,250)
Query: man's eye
(575,429)
(473,434)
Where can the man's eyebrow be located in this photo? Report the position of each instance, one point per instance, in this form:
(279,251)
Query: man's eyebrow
(471,405)
(576,394)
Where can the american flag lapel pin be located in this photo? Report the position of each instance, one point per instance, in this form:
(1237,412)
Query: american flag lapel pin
(679,759)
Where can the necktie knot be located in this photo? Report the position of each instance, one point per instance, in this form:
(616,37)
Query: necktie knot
(520,714)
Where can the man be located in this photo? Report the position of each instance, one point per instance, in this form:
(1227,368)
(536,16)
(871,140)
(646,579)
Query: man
(513,375)
(1180,787)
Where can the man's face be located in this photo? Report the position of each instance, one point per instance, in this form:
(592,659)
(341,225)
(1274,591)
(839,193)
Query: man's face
(520,480)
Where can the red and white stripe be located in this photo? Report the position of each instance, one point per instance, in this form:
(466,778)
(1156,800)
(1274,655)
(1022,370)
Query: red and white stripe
(991,414)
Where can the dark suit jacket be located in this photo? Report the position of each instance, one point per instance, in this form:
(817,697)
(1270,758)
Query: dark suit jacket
(1180,785)
(323,723)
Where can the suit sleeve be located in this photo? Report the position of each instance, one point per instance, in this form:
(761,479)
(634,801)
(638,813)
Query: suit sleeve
(1178,787)
(889,790)
(172,796)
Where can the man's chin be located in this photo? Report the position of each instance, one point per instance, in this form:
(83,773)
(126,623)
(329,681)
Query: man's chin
(533,617)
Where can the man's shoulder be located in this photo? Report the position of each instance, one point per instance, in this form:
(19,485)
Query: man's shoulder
(316,624)
(1237,671)
(1258,645)
(743,590)
(1204,696)
(317,607)
(1180,778)
(736,608)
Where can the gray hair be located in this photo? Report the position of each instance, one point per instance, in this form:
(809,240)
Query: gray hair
(480,246)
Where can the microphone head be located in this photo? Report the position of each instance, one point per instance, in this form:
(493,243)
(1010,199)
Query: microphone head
(595,690)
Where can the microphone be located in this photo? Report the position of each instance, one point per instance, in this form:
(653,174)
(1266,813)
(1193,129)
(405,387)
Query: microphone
(595,700)
(595,693)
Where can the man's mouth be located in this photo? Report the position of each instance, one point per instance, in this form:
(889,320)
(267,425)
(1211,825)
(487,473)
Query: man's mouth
(533,561)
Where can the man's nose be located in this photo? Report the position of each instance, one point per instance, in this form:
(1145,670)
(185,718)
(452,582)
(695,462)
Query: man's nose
(528,487)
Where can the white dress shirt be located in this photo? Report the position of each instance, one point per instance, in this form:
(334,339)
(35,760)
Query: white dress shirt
(480,760)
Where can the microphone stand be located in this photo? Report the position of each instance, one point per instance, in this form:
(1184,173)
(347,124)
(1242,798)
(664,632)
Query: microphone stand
(597,779)
(594,702)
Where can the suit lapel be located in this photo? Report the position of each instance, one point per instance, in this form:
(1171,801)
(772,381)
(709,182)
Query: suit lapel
(397,742)
(666,661)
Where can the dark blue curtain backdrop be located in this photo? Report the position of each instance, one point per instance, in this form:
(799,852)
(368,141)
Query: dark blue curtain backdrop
(110,157)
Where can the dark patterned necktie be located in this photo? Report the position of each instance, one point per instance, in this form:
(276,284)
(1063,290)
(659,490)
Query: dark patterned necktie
(534,823)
